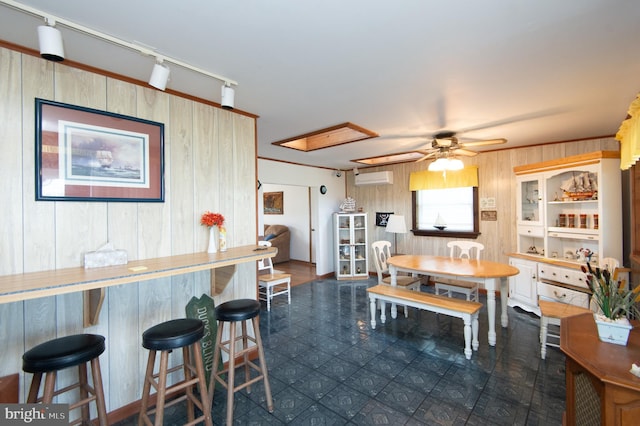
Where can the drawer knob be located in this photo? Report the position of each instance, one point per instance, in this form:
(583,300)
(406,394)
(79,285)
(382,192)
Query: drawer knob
(559,296)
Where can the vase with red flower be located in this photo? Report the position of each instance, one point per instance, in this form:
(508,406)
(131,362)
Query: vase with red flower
(214,221)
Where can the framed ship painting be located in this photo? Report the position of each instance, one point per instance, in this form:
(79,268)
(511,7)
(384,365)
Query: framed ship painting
(84,154)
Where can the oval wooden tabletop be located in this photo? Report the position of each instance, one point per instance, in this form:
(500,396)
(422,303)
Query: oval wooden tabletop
(456,266)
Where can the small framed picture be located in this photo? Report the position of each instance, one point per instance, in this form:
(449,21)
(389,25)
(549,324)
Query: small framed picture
(382,218)
(273,202)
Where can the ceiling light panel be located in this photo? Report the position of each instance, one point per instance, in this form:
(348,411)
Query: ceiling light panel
(401,157)
(325,138)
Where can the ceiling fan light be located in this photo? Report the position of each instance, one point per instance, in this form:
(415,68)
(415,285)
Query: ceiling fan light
(446,164)
(455,164)
(439,165)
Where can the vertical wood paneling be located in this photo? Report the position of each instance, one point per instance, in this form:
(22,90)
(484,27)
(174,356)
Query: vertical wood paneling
(57,234)
(205,169)
(243,195)
(183,215)
(11,173)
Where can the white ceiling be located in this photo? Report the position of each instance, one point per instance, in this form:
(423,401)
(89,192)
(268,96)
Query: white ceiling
(531,71)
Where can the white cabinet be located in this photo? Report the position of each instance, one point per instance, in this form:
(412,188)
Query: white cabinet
(565,209)
(351,246)
(523,287)
(530,214)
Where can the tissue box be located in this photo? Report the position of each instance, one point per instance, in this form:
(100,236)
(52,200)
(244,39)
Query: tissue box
(96,259)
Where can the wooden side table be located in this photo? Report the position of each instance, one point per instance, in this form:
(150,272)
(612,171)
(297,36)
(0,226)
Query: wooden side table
(599,387)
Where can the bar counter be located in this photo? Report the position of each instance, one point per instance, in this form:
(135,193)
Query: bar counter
(31,285)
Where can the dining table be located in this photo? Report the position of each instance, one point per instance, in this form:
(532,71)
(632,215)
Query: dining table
(492,275)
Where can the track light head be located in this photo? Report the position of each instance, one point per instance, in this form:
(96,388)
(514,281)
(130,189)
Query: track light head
(50,42)
(356,172)
(159,75)
(228,95)
(338,173)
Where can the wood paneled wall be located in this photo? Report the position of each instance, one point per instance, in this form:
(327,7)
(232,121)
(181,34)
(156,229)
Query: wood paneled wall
(496,180)
(210,164)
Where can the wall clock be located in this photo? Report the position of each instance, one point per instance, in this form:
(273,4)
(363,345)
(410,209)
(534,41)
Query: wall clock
(323,189)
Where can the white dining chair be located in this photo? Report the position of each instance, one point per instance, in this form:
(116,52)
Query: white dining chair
(382,252)
(461,249)
(272,283)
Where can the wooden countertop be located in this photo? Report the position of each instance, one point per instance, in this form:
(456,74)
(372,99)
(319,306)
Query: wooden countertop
(32,285)
(608,362)
(547,260)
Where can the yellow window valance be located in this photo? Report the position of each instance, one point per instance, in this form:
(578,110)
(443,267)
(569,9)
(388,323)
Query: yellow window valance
(629,136)
(439,180)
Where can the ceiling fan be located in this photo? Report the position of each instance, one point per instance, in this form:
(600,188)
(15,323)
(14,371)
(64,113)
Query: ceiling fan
(446,144)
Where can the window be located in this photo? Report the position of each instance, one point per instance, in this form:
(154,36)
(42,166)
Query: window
(458,208)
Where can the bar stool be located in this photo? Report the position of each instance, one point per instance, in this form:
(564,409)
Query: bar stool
(232,312)
(179,333)
(552,313)
(50,357)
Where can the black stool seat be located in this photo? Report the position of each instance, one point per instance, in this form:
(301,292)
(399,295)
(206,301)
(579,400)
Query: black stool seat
(237,310)
(63,352)
(173,334)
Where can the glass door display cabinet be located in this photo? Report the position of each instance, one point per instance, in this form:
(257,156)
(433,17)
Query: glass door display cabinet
(530,214)
(351,254)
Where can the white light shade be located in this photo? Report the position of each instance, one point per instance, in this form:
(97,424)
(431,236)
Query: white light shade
(442,164)
(50,41)
(396,224)
(159,76)
(228,95)
(455,164)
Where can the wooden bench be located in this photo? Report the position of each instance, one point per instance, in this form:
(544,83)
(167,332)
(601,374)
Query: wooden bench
(464,309)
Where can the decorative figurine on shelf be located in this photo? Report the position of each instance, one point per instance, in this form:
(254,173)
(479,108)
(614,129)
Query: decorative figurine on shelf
(348,205)
(584,255)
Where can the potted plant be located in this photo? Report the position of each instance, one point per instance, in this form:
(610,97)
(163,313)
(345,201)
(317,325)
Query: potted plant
(614,303)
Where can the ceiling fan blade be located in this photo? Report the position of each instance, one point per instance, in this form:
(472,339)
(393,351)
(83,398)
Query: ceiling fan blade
(427,156)
(465,152)
(484,142)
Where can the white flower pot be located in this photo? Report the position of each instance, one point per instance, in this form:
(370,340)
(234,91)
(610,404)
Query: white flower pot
(609,331)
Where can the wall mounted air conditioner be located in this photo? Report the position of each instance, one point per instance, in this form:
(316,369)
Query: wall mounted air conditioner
(376,178)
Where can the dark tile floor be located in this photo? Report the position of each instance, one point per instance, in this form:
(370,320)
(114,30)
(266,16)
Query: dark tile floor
(328,367)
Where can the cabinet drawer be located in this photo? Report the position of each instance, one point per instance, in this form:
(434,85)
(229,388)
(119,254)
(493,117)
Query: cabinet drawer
(563,275)
(564,295)
(532,231)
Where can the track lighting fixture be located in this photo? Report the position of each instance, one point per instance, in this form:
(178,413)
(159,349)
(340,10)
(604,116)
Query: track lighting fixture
(51,48)
(228,95)
(50,41)
(356,172)
(338,173)
(159,75)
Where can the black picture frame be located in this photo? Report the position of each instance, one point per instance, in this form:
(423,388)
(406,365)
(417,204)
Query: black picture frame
(84,154)
(382,218)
